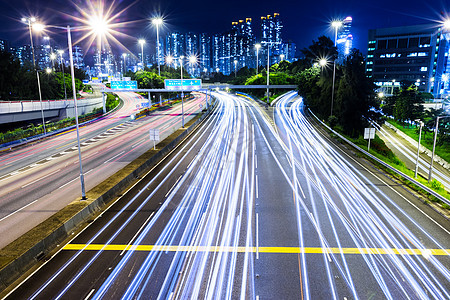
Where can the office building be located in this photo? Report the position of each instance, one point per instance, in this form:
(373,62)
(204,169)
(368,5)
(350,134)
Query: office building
(409,54)
(344,42)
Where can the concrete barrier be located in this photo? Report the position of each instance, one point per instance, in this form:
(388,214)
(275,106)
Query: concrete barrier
(12,271)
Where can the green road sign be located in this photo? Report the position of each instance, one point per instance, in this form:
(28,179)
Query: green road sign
(185,84)
(124,85)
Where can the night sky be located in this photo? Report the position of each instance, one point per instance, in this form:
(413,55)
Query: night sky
(303,20)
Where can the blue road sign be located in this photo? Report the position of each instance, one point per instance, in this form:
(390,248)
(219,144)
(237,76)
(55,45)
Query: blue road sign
(124,85)
(185,84)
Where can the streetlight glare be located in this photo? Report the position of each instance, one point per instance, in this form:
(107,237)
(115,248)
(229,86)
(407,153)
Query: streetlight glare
(192,59)
(98,25)
(157,21)
(141,41)
(336,24)
(447,24)
(323,62)
(53,56)
(257,46)
(169,59)
(38,27)
(48,70)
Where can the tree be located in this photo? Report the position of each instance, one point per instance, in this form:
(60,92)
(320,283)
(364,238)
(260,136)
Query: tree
(355,98)
(322,48)
(406,104)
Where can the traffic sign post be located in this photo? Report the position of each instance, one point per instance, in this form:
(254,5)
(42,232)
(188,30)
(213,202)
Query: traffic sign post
(369,134)
(154,136)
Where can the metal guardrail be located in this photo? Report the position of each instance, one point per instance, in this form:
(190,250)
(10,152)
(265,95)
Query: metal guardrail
(422,186)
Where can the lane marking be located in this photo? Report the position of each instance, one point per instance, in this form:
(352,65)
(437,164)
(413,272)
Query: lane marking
(114,157)
(256,186)
(90,294)
(173,186)
(23,207)
(257,236)
(49,174)
(275,250)
(137,233)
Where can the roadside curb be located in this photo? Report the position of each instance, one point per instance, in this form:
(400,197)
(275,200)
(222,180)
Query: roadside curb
(18,266)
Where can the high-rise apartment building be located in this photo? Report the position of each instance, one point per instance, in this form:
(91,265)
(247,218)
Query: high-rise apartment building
(412,54)
(271,37)
(344,40)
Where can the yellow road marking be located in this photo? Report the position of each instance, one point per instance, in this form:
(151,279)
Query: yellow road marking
(292,250)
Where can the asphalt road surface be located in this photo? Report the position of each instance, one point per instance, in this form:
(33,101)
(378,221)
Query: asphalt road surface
(243,210)
(39,179)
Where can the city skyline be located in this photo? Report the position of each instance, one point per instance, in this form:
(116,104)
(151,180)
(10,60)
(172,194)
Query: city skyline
(303,22)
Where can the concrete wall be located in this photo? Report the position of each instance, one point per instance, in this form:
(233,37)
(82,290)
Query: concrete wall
(18,111)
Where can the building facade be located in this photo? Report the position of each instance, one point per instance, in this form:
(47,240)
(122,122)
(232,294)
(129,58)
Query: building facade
(409,54)
(344,42)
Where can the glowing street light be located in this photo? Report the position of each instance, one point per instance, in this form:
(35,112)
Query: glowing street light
(157,22)
(257,46)
(169,59)
(235,67)
(323,62)
(447,24)
(31,22)
(281,57)
(336,25)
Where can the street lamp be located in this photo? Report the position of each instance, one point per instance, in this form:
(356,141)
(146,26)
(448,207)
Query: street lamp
(157,22)
(281,57)
(323,62)
(64,77)
(336,25)
(235,67)
(418,148)
(142,42)
(434,145)
(31,22)
(182,94)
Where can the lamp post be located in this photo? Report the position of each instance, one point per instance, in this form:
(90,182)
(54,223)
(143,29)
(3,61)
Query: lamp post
(182,94)
(434,146)
(157,22)
(257,46)
(418,149)
(336,25)
(64,77)
(142,42)
(192,62)
(29,22)
(235,67)
(281,57)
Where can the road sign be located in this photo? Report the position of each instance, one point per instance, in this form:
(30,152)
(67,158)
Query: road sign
(124,85)
(154,136)
(369,133)
(185,84)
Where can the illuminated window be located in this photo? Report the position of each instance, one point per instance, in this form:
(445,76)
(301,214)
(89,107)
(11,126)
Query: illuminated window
(423,69)
(412,54)
(422,54)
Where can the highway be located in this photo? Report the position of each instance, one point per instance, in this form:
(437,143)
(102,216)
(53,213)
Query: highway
(243,209)
(39,179)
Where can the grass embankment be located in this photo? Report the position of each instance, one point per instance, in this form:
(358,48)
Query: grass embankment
(412,131)
(379,149)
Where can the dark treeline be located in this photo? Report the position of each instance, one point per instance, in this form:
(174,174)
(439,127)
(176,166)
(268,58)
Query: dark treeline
(19,82)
